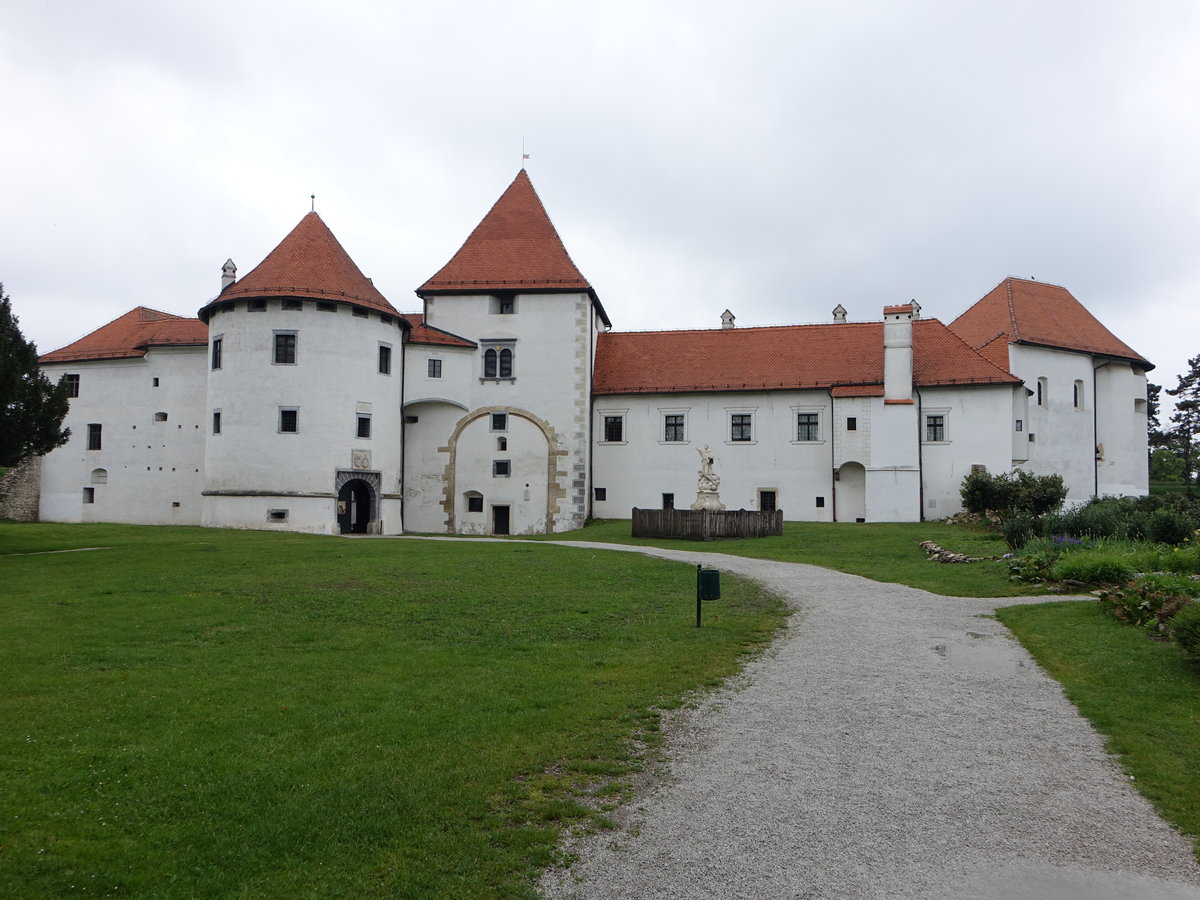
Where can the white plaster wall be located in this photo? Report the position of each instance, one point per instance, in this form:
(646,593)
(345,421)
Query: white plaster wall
(1121,429)
(637,471)
(1065,441)
(523,491)
(978,431)
(151,466)
(335,377)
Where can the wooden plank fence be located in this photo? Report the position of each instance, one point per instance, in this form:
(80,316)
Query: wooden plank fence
(706,524)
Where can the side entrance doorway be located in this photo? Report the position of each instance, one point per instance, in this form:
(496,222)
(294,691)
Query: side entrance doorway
(354,507)
(500,520)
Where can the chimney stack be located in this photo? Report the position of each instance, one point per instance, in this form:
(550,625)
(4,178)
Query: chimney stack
(897,353)
(727,319)
(839,314)
(228,274)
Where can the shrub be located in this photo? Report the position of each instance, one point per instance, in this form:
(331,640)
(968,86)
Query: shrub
(1094,568)
(1169,527)
(1185,628)
(1019,530)
(1011,493)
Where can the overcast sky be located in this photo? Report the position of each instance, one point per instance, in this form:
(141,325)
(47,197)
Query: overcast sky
(773,158)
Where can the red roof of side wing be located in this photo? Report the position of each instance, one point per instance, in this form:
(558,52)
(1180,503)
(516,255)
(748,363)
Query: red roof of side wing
(309,262)
(787,357)
(515,248)
(131,335)
(1032,312)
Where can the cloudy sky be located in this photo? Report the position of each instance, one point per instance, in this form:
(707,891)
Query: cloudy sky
(773,158)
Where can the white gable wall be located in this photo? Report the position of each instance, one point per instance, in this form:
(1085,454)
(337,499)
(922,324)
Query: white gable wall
(153,470)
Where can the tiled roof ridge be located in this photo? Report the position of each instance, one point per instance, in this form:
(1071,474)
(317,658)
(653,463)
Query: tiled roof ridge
(1012,312)
(741,328)
(129,334)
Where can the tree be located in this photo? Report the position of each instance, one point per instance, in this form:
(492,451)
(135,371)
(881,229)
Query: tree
(1185,421)
(31,407)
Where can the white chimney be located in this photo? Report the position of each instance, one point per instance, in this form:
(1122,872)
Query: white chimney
(897,353)
(839,314)
(228,274)
(916,309)
(727,319)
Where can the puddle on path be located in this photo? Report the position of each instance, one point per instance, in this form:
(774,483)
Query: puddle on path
(986,653)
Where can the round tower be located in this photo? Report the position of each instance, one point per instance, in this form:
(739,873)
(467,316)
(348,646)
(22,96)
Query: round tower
(305,428)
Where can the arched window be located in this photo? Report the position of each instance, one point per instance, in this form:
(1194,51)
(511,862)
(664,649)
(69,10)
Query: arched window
(1041,392)
(489,364)
(99,476)
(1078,395)
(506,363)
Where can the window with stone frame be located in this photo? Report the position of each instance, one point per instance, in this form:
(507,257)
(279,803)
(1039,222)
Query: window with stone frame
(808,426)
(741,427)
(364,426)
(614,429)
(216,352)
(433,368)
(935,428)
(289,420)
(285,348)
(673,428)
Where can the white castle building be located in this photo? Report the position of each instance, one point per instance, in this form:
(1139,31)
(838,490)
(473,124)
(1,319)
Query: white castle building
(301,399)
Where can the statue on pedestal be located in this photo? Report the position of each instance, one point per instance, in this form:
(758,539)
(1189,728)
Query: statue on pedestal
(709,483)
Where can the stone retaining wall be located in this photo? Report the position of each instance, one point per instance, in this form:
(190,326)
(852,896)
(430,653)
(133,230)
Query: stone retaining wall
(20,491)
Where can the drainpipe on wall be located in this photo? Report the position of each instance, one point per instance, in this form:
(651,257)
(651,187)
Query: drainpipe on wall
(920,460)
(403,426)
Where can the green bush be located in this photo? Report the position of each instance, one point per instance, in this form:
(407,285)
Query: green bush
(1169,527)
(1185,628)
(1019,530)
(1012,493)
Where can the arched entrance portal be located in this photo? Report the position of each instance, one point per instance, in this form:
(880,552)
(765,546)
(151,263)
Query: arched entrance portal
(851,503)
(354,506)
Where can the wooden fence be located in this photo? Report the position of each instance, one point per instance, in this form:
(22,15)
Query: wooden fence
(706,524)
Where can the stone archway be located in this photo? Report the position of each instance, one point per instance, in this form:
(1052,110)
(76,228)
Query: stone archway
(555,477)
(357,506)
(851,505)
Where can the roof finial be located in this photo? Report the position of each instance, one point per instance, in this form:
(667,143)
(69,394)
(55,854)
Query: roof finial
(524,155)
(313,198)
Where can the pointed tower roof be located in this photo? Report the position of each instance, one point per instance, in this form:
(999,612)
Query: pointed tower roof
(514,248)
(309,262)
(131,335)
(1032,312)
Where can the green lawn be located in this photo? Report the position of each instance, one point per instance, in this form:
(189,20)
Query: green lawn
(1142,695)
(210,712)
(882,551)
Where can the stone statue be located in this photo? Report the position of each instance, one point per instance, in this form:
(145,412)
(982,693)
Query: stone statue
(706,491)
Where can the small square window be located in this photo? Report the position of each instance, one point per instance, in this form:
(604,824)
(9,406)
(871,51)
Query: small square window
(289,421)
(277,515)
(851,423)
(1020,425)
(499,421)
(72,382)
(285,348)
(292,304)
(673,428)
(614,429)
(89,495)
(154,381)
(820,503)
(507,307)
(434,368)
(474,503)
(501,468)
(501,443)
(364,426)
(668,501)
(601,493)
(256,305)
(740,427)
(385,359)
(386,320)
(326,306)
(358,312)
(766,501)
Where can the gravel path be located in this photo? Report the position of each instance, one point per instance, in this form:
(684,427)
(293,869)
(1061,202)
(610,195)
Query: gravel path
(893,743)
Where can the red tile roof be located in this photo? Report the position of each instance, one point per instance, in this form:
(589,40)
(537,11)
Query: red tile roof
(428,334)
(131,335)
(1031,312)
(897,310)
(514,248)
(309,262)
(788,357)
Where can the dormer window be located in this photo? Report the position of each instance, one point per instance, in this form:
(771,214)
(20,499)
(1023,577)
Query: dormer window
(503,306)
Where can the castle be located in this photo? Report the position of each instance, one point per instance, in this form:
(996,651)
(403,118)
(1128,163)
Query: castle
(301,399)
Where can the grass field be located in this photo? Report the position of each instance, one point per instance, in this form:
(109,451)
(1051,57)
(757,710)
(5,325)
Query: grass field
(1143,695)
(208,712)
(882,551)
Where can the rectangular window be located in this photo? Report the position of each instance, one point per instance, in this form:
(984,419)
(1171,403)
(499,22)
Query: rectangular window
(807,427)
(216,428)
(434,368)
(289,421)
(285,348)
(935,429)
(500,468)
(358,312)
(614,429)
(93,436)
(72,382)
(216,353)
(766,501)
(292,304)
(501,443)
(89,495)
(673,428)
(256,305)
(1042,390)
(474,503)
(740,427)
(601,493)
(507,307)
(364,426)
(326,306)
(385,359)
(1020,424)
(820,503)
(499,421)
(668,501)
(498,361)
(851,423)
(1077,395)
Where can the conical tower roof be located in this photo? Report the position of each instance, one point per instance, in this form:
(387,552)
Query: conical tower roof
(309,262)
(514,248)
